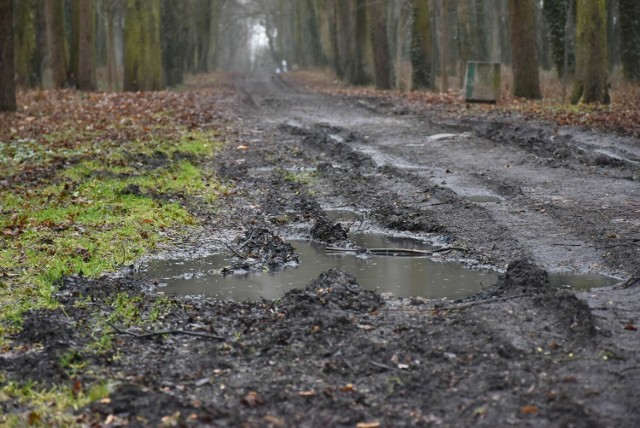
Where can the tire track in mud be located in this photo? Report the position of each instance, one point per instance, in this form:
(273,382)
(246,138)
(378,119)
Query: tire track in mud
(551,192)
(411,201)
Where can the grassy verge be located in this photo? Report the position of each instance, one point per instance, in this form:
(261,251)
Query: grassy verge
(88,184)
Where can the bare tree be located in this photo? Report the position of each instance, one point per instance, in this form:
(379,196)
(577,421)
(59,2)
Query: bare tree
(85,69)
(421,46)
(590,83)
(377,15)
(524,58)
(54,16)
(7,67)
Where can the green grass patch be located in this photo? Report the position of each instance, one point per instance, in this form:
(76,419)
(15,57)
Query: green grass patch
(98,215)
(42,406)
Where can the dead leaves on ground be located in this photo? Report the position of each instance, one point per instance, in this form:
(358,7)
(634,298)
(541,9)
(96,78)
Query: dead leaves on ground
(621,117)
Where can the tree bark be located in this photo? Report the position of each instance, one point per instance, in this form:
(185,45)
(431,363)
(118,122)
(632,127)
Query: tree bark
(54,16)
(142,53)
(524,58)
(629,14)
(590,84)
(25,41)
(377,15)
(421,57)
(359,74)
(7,66)
(560,33)
(174,40)
(85,77)
(444,47)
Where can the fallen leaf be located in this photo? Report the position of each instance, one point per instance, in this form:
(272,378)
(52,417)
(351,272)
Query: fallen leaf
(529,410)
(33,418)
(480,412)
(630,327)
(309,393)
(77,387)
(252,399)
(348,388)
(374,424)
(274,421)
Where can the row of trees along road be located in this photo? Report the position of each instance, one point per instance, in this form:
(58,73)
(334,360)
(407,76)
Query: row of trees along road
(406,44)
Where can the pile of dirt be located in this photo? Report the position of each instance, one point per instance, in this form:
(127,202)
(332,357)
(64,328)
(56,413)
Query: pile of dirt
(326,230)
(560,307)
(260,249)
(287,197)
(401,217)
(333,290)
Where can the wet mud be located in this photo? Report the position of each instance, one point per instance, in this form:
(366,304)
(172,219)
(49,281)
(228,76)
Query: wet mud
(518,352)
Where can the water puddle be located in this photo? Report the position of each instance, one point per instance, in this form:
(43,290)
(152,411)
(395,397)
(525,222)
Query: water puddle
(401,276)
(581,282)
(483,199)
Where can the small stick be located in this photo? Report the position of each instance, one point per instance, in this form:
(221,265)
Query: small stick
(163,332)
(391,251)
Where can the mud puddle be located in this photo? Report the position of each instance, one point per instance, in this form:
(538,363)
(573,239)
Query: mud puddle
(401,276)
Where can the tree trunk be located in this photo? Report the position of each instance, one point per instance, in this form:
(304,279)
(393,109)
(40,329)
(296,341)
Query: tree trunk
(524,58)
(214,30)
(421,57)
(629,14)
(377,15)
(86,29)
(54,16)
(143,52)
(444,46)
(560,32)
(174,41)
(25,41)
(7,66)
(590,83)
(359,73)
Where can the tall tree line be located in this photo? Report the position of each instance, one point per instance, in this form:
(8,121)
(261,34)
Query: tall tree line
(376,41)
(130,44)
(409,44)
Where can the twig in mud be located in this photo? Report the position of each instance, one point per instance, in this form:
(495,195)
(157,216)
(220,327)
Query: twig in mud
(482,302)
(604,308)
(230,248)
(629,283)
(566,245)
(467,305)
(394,251)
(626,244)
(381,365)
(163,332)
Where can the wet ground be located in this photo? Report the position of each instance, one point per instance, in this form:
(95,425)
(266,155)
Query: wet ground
(482,195)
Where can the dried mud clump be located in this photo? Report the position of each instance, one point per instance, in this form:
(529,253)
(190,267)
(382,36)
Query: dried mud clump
(406,218)
(333,289)
(558,306)
(522,276)
(259,249)
(326,230)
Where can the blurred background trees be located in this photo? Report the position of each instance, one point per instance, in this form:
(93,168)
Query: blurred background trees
(402,44)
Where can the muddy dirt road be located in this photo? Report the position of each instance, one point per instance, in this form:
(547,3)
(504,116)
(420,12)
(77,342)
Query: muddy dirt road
(523,198)
(567,199)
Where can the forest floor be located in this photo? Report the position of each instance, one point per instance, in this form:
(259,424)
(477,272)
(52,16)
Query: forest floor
(253,163)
